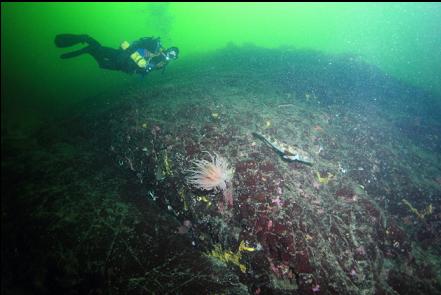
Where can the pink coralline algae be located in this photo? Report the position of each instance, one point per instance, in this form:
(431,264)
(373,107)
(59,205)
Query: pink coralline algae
(316,288)
(277,201)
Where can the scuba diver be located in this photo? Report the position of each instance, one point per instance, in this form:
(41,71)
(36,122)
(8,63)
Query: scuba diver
(140,57)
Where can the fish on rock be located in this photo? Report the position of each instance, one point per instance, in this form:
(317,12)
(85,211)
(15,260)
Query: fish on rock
(288,152)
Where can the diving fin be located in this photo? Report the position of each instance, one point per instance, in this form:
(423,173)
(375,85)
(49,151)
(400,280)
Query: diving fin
(67,40)
(75,53)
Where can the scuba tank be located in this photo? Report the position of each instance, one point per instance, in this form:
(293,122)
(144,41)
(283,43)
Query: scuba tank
(138,59)
(136,56)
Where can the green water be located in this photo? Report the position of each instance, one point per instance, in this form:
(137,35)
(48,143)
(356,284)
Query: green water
(403,39)
(292,148)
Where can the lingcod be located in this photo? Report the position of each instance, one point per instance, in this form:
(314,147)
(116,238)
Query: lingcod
(288,152)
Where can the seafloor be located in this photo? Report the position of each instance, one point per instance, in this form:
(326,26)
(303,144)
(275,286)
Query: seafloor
(98,203)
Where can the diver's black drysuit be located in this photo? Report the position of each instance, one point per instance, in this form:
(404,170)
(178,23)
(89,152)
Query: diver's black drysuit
(115,59)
